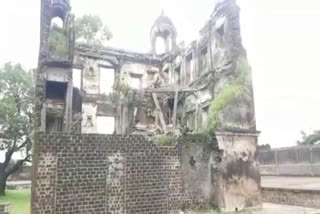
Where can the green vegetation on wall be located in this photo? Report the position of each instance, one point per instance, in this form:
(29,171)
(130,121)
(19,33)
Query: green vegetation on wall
(238,89)
(164,140)
(57,42)
(121,94)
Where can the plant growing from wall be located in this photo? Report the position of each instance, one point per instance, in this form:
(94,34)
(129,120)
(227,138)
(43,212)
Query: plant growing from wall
(121,93)
(238,89)
(57,41)
(164,139)
(89,30)
(150,106)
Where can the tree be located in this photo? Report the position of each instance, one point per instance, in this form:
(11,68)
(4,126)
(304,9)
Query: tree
(91,30)
(16,113)
(310,139)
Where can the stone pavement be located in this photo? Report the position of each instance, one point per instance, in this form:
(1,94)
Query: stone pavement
(269,208)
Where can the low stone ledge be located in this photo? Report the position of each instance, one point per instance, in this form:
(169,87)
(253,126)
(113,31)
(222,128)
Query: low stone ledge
(290,170)
(5,208)
(288,196)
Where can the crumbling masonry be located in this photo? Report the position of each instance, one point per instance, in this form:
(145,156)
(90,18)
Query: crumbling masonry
(200,95)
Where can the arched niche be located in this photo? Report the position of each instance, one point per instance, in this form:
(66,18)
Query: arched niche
(57,22)
(57,40)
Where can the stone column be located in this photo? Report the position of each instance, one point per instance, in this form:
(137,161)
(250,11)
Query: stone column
(241,185)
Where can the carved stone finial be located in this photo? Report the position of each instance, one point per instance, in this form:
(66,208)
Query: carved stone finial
(162,12)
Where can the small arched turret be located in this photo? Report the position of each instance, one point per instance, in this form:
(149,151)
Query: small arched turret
(164,28)
(59,8)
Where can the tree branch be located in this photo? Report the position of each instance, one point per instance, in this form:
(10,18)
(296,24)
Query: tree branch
(23,144)
(17,166)
(9,154)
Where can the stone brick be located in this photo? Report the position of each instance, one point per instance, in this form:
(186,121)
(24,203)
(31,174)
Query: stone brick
(105,174)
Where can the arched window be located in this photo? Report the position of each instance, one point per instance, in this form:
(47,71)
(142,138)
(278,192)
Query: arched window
(160,46)
(57,42)
(57,21)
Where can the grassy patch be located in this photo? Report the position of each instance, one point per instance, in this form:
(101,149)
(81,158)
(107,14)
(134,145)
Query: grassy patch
(164,140)
(18,199)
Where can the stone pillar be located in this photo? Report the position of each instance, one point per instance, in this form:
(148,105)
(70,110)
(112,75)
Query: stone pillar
(240,177)
(68,112)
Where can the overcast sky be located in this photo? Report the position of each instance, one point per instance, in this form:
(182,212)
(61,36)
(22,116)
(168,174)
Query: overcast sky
(281,38)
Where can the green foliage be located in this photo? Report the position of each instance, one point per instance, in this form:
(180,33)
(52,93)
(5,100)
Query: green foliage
(164,140)
(57,41)
(310,139)
(16,114)
(19,200)
(122,94)
(149,106)
(238,89)
(91,30)
(16,101)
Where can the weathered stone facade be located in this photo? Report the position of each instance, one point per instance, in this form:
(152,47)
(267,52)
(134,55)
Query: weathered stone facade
(171,91)
(76,170)
(240,182)
(5,209)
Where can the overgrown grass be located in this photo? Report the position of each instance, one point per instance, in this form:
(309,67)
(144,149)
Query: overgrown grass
(18,199)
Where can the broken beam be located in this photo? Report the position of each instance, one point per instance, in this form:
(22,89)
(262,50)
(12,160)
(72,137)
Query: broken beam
(164,90)
(161,117)
(175,109)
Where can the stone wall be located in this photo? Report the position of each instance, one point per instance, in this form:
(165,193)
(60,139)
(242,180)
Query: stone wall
(299,161)
(89,173)
(294,197)
(5,209)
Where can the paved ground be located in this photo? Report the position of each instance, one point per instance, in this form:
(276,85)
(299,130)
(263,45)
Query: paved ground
(18,184)
(307,183)
(269,208)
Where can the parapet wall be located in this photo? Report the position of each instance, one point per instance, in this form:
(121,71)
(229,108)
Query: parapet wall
(293,161)
(76,173)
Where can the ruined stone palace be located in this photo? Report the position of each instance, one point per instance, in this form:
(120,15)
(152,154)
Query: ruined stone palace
(100,109)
